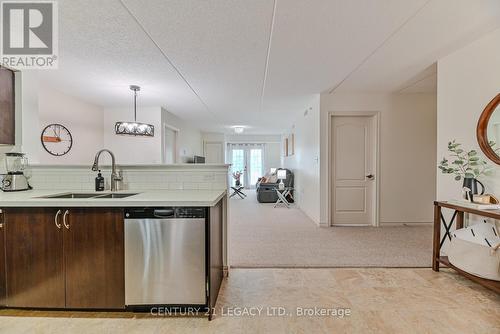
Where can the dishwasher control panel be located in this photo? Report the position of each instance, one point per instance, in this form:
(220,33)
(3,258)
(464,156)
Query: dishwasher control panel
(189,212)
(166,212)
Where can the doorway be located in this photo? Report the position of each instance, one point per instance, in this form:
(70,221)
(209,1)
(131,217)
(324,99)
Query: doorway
(214,152)
(170,137)
(353,170)
(248,159)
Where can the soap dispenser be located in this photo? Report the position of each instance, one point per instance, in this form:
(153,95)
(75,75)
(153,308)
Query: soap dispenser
(99,182)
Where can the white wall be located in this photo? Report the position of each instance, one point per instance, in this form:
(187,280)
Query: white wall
(30,122)
(272,156)
(189,139)
(130,149)
(305,162)
(407,151)
(467,80)
(249,138)
(92,128)
(83,120)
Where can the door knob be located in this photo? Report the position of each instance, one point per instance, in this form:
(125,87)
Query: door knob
(370,176)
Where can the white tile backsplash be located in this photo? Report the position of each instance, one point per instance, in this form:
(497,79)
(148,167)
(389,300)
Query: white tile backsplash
(83,178)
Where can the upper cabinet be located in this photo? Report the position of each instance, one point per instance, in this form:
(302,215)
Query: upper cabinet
(7,107)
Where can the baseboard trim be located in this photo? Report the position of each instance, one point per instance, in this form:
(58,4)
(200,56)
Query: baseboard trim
(279,266)
(407,224)
(352,225)
(325,224)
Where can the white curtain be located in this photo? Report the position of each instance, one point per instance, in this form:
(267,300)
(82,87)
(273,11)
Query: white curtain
(247,158)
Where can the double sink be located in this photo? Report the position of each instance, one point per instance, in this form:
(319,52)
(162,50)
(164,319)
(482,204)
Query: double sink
(89,195)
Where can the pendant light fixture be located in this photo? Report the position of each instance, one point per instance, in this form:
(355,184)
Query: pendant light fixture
(134,128)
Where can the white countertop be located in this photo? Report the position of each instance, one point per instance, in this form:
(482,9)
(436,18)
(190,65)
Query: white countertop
(144,198)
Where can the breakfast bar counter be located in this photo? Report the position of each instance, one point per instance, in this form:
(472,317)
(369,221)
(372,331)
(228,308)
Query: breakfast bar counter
(138,198)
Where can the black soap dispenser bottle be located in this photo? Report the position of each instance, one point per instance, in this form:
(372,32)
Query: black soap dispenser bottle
(99,182)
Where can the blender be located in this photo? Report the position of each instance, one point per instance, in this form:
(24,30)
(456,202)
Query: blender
(15,180)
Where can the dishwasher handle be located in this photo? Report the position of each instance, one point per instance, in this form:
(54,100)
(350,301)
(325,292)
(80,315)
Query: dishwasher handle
(164,213)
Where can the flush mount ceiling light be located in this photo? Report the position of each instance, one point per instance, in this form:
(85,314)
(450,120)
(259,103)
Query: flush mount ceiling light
(238,129)
(134,128)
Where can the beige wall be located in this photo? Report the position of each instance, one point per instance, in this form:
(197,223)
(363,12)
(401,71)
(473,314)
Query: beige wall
(467,80)
(407,152)
(305,162)
(189,140)
(92,127)
(83,120)
(130,149)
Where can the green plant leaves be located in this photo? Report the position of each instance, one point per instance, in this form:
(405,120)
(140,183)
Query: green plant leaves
(464,164)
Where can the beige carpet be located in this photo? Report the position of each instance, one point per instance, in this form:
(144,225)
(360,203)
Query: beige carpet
(262,236)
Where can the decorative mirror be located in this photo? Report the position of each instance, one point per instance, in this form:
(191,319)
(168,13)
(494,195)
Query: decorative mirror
(488,130)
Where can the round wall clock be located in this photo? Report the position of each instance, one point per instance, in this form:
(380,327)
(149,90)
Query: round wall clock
(56,139)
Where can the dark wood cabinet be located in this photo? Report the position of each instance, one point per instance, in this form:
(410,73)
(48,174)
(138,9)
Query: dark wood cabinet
(215,253)
(7,107)
(74,258)
(94,258)
(65,258)
(34,258)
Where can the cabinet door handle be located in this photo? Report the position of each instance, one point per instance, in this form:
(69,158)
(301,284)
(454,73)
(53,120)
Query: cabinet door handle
(66,224)
(56,219)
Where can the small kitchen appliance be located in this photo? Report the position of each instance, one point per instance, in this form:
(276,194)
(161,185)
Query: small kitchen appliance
(15,180)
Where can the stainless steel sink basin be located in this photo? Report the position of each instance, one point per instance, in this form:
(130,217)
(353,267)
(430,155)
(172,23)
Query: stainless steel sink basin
(119,195)
(70,195)
(87,195)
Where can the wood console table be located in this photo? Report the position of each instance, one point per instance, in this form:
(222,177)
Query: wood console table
(438,241)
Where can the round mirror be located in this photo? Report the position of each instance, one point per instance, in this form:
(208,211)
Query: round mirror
(488,130)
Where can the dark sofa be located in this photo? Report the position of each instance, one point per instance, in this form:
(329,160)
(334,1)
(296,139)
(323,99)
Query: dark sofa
(266,192)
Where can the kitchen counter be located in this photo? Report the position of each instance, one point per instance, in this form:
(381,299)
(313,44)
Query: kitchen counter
(144,198)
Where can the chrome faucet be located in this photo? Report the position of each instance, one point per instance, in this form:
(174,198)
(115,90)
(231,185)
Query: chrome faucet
(115,176)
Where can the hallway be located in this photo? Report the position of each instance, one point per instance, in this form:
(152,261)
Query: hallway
(264,236)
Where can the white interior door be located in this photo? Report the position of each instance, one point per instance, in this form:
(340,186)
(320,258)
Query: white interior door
(353,144)
(214,152)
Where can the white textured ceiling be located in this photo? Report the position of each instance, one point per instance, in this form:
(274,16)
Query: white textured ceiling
(441,27)
(219,63)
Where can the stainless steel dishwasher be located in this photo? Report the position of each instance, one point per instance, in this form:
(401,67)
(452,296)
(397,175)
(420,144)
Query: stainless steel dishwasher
(165,256)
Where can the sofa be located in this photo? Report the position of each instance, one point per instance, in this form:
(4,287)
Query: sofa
(266,192)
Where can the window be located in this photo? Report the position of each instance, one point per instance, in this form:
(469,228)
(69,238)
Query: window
(249,159)
(255,165)
(238,161)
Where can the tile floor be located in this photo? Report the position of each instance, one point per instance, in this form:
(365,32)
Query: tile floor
(379,301)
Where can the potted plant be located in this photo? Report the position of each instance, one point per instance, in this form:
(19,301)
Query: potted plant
(466,166)
(237,178)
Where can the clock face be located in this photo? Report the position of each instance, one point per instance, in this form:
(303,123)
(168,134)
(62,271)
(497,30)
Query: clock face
(56,139)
